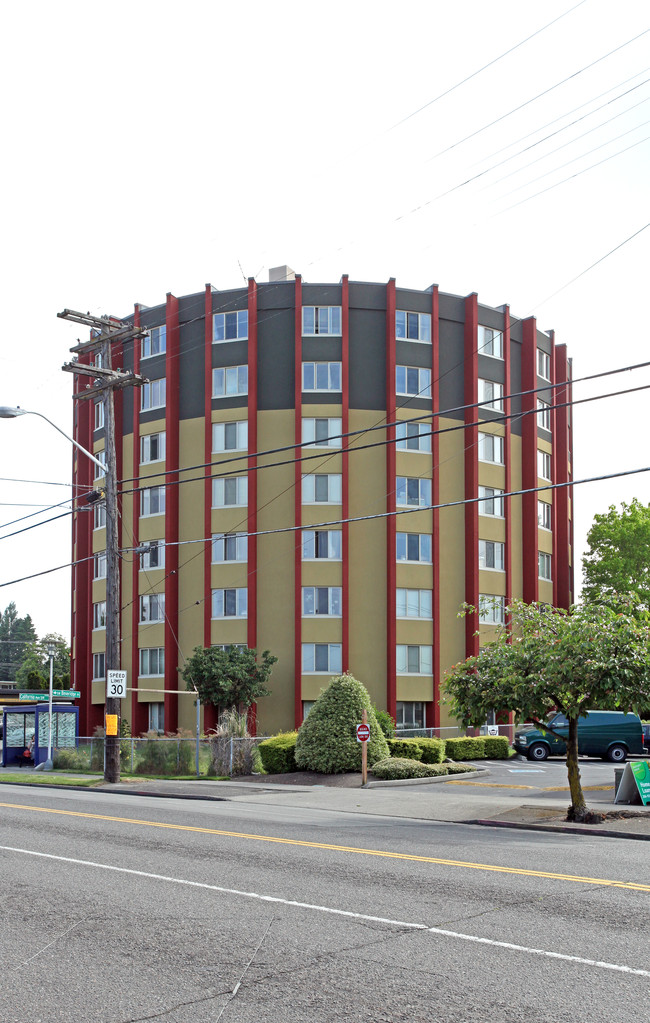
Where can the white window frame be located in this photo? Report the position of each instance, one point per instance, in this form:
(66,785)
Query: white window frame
(149,495)
(424,658)
(156,717)
(312,482)
(490,394)
(545,566)
(417,719)
(99,615)
(543,364)
(334,377)
(230,543)
(99,665)
(154,342)
(414,603)
(498,555)
(221,432)
(99,565)
(333,429)
(487,441)
(154,557)
(312,538)
(413,436)
(99,515)
(144,662)
(152,608)
(334,658)
(424,540)
(491,609)
(327,316)
(490,342)
(405,483)
(543,415)
(221,597)
(153,394)
(407,321)
(544,515)
(423,378)
(156,441)
(224,322)
(544,465)
(333,598)
(229,381)
(99,415)
(492,495)
(101,457)
(231,492)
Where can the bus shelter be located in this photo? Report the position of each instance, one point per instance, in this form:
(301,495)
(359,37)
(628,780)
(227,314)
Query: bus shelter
(21,723)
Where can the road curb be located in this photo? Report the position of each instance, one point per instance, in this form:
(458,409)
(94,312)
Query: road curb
(119,792)
(562,829)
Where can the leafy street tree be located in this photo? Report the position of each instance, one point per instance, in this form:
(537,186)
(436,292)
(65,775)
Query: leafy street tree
(15,636)
(591,657)
(228,678)
(618,559)
(34,672)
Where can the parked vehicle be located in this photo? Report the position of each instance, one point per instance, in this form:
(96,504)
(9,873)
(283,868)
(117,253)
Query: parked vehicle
(609,734)
(645,725)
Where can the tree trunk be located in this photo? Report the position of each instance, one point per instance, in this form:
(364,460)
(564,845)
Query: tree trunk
(578,809)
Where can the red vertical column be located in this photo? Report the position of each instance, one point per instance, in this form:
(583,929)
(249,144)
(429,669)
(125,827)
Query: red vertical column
(391,525)
(471,472)
(562,588)
(172,372)
(507,408)
(297,560)
(570,475)
(345,496)
(529,461)
(433,709)
(251,635)
(209,712)
(82,573)
(139,717)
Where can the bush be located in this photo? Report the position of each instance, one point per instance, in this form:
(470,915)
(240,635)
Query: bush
(459,768)
(396,768)
(496,747)
(278,753)
(327,740)
(433,750)
(465,749)
(69,760)
(385,722)
(154,755)
(406,749)
(232,745)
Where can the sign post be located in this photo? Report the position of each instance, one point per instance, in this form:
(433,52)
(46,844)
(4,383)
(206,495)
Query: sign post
(363,734)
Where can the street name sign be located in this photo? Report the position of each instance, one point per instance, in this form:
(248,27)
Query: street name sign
(66,694)
(34,697)
(115,684)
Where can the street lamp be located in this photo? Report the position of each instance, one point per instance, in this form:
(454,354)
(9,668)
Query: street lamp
(7,412)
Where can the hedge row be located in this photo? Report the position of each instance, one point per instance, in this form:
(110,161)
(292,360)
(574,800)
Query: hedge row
(278,754)
(428,751)
(398,768)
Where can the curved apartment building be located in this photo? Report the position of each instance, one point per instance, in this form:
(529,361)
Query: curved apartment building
(323,470)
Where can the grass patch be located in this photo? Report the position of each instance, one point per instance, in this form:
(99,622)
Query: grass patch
(49,779)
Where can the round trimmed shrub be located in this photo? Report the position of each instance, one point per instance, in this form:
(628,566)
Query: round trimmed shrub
(278,754)
(396,768)
(327,739)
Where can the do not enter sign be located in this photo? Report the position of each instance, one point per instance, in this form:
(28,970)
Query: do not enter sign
(363,733)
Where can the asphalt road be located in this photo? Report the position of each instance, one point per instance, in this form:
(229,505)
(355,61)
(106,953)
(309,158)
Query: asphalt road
(119,908)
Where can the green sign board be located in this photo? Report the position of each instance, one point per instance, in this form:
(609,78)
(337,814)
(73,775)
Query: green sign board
(641,772)
(34,697)
(67,694)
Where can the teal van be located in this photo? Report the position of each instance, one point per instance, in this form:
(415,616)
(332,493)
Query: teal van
(609,734)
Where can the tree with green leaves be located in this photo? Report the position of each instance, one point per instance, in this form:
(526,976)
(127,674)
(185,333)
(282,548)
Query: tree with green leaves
(228,678)
(592,657)
(34,672)
(618,559)
(16,634)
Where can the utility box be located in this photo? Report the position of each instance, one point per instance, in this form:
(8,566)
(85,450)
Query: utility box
(21,723)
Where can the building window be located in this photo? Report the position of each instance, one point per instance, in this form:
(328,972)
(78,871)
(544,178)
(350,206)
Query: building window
(99,615)
(544,566)
(99,665)
(414,660)
(490,342)
(152,501)
(414,603)
(543,465)
(233,547)
(321,600)
(153,556)
(413,436)
(229,381)
(99,562)
(414,547)
(306,707)
(543,364)
(157,718)
(413,381)
(490,501)
(321,543)
(491,554)
(231,603)
(230,436)
(227,647)
(544,514)
(491,609)
(230,492)
(412,326)
(410,714)
(154,394)
(155,341)
(230,326)
(322,488)
(322,433)
(543,414)
(99,415)
(411,491)
(490,448)
(152,661)
(490,394)
(101,457)
(152,447)
(152,607)
(321,376)
(99,515)
(321,657)
(324,319)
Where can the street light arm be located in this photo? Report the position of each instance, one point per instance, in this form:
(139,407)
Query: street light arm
(12,413)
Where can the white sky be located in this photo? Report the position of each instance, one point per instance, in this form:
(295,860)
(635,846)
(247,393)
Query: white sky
(152,146)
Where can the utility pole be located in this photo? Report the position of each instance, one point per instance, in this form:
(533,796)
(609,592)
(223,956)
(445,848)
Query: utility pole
(105,381)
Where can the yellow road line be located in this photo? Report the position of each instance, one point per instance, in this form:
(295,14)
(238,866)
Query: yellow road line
(585,788)
(336,848)
(490,785)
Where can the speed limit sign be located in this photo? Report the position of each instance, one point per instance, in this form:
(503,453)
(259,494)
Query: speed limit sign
(116,684)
